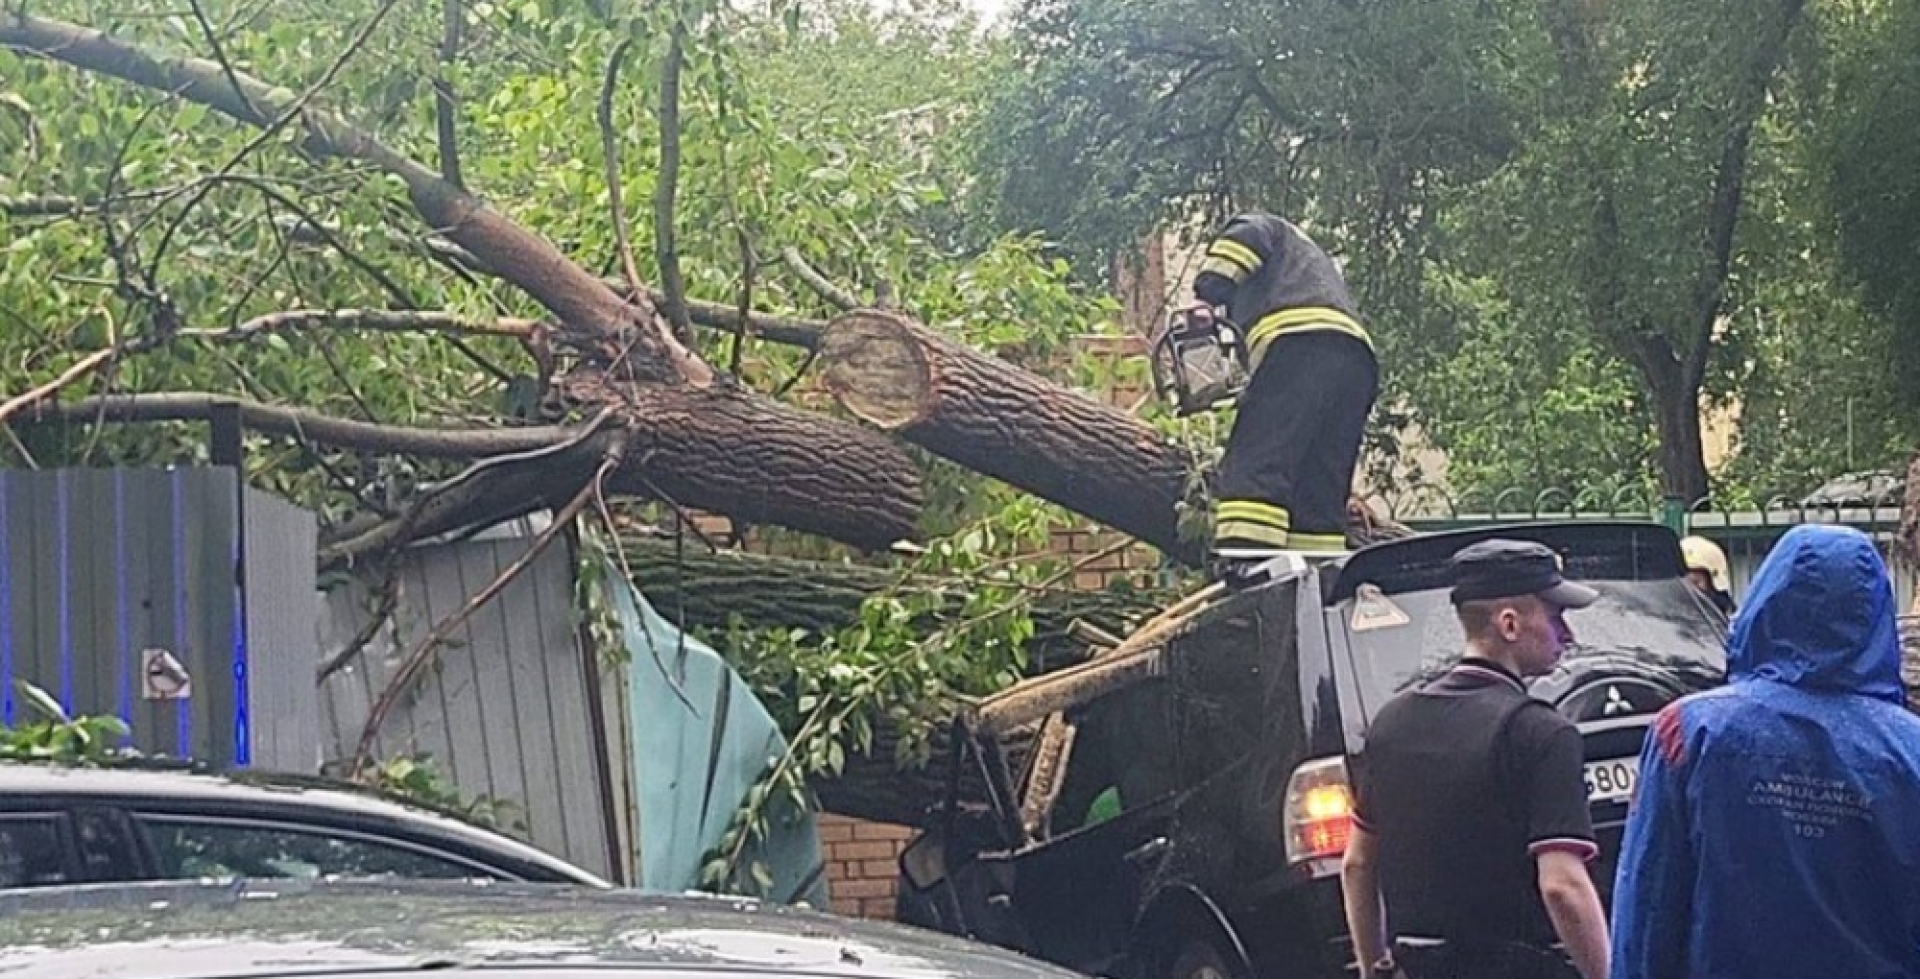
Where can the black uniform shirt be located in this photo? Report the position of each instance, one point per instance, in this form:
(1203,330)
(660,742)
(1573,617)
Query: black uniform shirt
(1463,782)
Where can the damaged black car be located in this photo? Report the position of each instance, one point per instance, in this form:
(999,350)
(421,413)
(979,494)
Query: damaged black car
(1180,811)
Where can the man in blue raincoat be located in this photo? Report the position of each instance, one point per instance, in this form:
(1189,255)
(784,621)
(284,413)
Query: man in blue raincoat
(1776,826)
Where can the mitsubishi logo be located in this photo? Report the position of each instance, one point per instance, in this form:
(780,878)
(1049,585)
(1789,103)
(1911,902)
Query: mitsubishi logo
(1615,704)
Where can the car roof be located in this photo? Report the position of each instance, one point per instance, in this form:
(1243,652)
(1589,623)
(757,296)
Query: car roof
(293,928)
(157,783)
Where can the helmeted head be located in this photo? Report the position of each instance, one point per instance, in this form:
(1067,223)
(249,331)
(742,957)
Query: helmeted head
(1512,599)
(1819,615)
(1706,564)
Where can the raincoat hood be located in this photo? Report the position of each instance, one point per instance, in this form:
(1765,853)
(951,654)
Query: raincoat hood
(1819,615)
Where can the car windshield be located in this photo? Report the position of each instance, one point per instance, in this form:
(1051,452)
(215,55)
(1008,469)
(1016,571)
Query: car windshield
(1662,625)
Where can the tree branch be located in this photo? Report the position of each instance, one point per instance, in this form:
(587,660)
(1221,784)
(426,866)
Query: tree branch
(791,330)
(285,114)
(667,187)
(213,44)
(819,283)
(1729,186)
(86,365)
(361,319)
(446,108)
(440,443)
(498,487)
(44,206)
(743,310)
(389,601)
(596,318)
(610,159)
(382,321)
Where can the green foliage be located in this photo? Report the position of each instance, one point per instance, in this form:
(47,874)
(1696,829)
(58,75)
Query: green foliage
(1525,218)
(418,778)
(1870,110)
(833,693)
(53,736)
(1515,414)
(835,129)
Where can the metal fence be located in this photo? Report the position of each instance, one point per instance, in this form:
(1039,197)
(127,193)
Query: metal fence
(509,712)
(1746,535)
(176,599)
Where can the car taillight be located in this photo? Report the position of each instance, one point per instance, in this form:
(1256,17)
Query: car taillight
(1317,819)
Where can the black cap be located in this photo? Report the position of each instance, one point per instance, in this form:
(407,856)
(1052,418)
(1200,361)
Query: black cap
(1503,568)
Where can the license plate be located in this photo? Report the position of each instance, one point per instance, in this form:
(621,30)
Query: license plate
(1612,780)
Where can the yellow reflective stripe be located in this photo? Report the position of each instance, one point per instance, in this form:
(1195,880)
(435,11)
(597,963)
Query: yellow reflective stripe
(1224,267)
(1255,511)
(1236,253)
(1236,530)
(1279,520)
(1317,542)
(1304,319)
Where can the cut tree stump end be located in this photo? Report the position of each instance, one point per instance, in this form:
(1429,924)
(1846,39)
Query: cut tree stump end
(877,369)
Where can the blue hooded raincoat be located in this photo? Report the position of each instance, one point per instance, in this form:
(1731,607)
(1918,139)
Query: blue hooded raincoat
(1776,829)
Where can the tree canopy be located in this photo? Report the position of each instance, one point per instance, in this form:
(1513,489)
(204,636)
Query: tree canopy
(1577,224)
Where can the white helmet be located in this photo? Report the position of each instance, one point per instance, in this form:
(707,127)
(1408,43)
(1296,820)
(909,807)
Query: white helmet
(1702,554)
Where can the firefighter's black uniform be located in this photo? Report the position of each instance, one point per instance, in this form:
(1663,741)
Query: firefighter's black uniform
(1291,455)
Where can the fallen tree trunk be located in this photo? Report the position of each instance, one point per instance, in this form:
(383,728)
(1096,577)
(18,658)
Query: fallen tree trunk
(995,418)
(684,443)
(705,591)
(998,419)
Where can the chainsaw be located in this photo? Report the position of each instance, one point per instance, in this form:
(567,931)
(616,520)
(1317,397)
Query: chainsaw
(1199,361)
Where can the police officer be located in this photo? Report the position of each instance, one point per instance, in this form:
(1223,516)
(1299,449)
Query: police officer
(1471,829)
(1284,481)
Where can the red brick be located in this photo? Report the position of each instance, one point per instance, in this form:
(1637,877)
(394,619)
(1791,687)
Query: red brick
(881,831)
(835,832)
(862,888)
(1089,580)
(848,907)
(878,868)
(878,908)
(864,850)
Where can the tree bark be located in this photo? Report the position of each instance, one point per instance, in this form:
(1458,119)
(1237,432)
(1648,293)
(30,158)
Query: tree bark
(1683,460)
(997,419)
(727,449)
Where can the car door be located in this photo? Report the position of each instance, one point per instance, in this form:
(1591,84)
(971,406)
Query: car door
(188,846)
(1079,892)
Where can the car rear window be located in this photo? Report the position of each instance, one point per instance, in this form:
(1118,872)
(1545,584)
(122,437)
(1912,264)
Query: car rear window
(1403,639)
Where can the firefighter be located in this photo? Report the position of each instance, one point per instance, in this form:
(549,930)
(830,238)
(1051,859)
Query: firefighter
(1284,481)
(1707,572)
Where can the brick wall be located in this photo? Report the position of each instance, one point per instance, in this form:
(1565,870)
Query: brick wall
(863,864)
